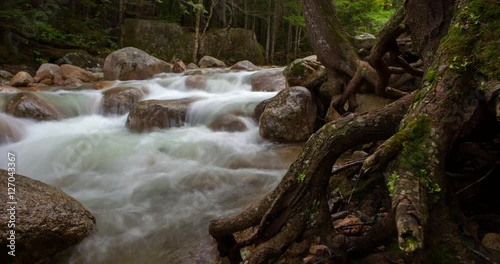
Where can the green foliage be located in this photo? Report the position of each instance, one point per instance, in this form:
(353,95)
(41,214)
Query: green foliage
(361,16)
(292,13)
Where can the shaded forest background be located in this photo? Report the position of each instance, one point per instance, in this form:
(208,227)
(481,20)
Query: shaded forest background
(37,31)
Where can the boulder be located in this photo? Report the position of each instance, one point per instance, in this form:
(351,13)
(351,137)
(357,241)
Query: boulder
(491,241)
(120,100)
(232,45)
(47,220)
(150,114)
(72,82)
(290,116)
(245,65)
(229,123)
(365,41)
(68,71)
(169,40)
(43,75)
(271,80)
(132,64)
(259,109)
(84,60)
(179,67)
(21,79)
(52,68)
(192,66)
(58,79)
(211,62)
(306,73)
(6,89)
(30,105)
(5,77)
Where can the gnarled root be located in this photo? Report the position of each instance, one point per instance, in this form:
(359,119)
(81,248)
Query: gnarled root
(297,208)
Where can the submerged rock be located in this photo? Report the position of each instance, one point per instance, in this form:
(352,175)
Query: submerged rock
(268,81)
(30,105)
(120,100)
(229,123)
(8,89)
(9,131)
(150,114)
(289,116)
(133,64)
(47,220)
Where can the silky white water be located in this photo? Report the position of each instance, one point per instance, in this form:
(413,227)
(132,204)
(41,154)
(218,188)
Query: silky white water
(153,194)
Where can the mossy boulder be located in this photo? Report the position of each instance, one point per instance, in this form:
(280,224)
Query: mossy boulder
(232,45)
(169,40)
(305,72)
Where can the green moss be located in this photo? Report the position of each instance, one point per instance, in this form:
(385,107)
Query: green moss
(297,69)
(474,39)
(301,177)
(431,75)
(391,182)
(414,154)
(410,244)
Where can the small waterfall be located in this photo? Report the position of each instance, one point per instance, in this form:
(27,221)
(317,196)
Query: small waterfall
(153,194)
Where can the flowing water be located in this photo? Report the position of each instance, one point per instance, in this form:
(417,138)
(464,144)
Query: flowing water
(153,194)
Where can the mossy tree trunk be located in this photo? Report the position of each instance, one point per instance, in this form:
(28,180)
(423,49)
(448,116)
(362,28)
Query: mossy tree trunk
(421,129)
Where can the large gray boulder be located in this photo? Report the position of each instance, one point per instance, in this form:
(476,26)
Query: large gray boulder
(290,116)
(30,105)
(44,220)
(158,114)
(133,64)
(305,72)
(120,100)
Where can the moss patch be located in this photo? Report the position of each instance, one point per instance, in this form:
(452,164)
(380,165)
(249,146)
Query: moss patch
(474,39)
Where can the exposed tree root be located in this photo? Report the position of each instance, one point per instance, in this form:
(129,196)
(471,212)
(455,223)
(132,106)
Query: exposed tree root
(298,205)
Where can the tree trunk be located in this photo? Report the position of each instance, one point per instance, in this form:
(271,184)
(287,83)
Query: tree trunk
(199,11)
(277,16)
(268,30)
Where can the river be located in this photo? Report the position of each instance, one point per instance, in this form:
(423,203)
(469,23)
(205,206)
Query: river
(153,194)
